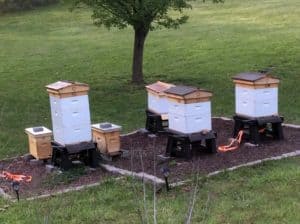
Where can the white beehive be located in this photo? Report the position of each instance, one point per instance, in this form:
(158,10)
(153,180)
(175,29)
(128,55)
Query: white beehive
(189,109)
(256,95)
(70,112)
(157,101)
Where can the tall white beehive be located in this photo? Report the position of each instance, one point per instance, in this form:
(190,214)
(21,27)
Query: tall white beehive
(70,112)
(157,101)
(256,95)
(189,109)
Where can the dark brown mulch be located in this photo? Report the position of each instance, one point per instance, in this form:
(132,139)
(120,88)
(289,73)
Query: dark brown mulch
(143,152)
(43,182)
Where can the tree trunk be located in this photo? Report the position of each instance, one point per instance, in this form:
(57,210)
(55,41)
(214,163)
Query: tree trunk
(138,52)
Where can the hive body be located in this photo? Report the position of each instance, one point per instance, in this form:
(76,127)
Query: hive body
(256,102)
(70,113)
(190,118)
(189,109)
(256,95)
(157,100)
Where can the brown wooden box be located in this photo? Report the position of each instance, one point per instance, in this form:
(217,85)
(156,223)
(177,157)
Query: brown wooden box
(108,140)
(40,143)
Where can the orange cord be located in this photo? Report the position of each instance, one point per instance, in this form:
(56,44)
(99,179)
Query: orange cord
(231,146)
(237,140)
(16,177)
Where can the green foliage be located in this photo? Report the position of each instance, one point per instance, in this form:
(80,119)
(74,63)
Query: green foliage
(148,14)
(19,5)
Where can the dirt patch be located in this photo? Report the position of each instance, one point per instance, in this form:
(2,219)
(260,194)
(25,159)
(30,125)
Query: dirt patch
(142,156)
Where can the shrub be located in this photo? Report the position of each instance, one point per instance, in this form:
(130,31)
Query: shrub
(20,5)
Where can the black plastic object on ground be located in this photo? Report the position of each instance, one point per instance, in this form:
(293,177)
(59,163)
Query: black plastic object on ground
(182,145)
(255,129)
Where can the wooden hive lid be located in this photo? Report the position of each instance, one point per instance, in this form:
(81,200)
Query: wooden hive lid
(63,89)
(188,94)
(256,80)
(159,87)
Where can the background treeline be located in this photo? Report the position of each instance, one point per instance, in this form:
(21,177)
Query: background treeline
(20,5)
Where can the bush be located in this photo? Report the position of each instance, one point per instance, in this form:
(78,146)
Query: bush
(20,5)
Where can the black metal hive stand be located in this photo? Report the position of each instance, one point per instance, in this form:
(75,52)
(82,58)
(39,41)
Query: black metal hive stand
(154,122)
(182,145)
(271,126)
(62,156)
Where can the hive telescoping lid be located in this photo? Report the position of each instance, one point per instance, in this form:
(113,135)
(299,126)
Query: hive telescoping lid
(63,89)
(256,79)
(188,94)
(159,87)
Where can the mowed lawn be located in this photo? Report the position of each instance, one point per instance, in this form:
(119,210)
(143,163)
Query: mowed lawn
(268,193)
(220,40)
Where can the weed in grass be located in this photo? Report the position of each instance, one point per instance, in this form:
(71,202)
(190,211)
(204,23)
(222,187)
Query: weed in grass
(63,178)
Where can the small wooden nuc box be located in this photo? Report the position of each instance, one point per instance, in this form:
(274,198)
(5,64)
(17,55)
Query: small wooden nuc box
(107,137)
(39,142)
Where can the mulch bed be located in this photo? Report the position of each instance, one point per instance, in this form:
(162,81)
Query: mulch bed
(142,155)
(143,152)
(47,183)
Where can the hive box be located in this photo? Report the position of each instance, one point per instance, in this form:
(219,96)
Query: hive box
(107,137)
(157,101)
(70,112)
(39,142)
(256,95)
(189,109)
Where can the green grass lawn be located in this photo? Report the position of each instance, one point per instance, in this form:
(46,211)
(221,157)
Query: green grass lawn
(42,46)
(267,193)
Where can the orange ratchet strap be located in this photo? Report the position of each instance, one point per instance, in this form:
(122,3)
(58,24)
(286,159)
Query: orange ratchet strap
(16,177)
(233,145)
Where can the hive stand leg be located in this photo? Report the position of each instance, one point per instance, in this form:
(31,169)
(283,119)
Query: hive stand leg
(158,124)
(254,134)
(238,125)
(92,158)
(152,124)
(65,163)
(170,146)
(54,156)
(277,131)
(147,122)
(211,145)
(187,149)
